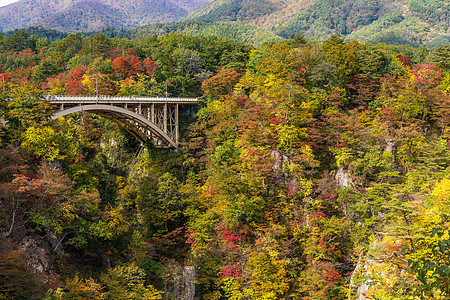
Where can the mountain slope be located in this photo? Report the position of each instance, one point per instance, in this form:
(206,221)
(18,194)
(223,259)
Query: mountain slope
(398,21)
(27,12)
(85,15)
(88,15)
(339,16)
(413,22)
(227,30)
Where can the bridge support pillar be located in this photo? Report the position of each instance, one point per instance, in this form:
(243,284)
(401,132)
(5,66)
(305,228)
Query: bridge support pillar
(153,113)
(177,131)
(165,117)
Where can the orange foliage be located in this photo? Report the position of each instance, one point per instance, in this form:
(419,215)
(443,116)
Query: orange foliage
(221,84)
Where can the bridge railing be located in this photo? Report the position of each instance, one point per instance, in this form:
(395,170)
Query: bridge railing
(118,99)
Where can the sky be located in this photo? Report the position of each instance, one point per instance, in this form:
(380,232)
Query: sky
(6,2)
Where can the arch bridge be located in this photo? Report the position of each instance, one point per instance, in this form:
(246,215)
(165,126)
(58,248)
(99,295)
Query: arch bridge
(150,119)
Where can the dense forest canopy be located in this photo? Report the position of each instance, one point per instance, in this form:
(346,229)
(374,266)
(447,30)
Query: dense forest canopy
(312,170)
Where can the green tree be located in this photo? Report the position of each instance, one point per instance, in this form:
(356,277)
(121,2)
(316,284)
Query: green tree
(343,57)
(45,69)
(25,107)
(128,282)
(17,41)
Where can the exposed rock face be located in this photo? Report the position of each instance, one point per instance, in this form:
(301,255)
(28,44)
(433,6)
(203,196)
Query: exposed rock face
(280,160)
(187,110)
(390,148)
(183,282)
(3,121)
(106,261)
(362,288)
(56,240)
(342,177)
(37,255)
(389,145)
(189,283)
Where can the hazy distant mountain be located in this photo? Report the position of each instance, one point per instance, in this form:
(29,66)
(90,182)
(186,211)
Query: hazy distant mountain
(86,15)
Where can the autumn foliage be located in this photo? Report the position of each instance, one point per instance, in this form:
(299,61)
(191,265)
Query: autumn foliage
(129,66)
(307,171)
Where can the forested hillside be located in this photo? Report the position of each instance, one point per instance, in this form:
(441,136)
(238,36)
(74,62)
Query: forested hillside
(397,22)
(377,21)
(89,15)
(311,170)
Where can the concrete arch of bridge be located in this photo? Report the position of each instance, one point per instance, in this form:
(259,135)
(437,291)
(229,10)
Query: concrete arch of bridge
(128,114)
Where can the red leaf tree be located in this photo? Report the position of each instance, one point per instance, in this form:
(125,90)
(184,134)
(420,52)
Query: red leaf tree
(127,66)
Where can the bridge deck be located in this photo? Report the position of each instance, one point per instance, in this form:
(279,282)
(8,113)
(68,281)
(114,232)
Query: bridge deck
(113,99)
